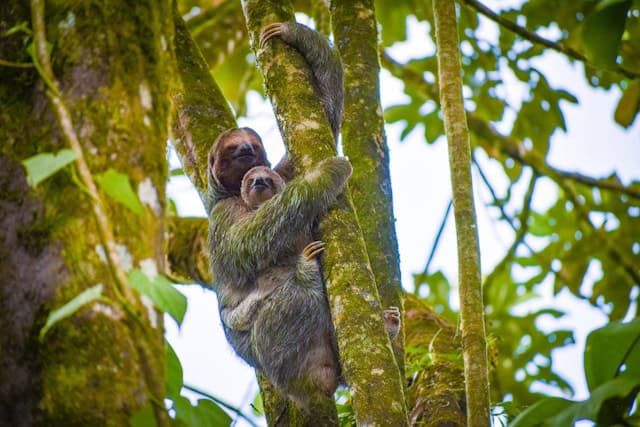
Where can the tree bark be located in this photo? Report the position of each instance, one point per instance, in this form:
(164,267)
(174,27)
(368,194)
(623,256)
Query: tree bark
(110,61)
(365,144)
(471,303)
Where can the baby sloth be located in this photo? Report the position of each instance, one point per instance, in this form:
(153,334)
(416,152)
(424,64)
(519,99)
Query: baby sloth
(286,313)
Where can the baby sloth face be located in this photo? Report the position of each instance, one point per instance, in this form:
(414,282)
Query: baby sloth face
(259,184)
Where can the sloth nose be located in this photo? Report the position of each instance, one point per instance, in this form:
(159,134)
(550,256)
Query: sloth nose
(245,149)
(259,181)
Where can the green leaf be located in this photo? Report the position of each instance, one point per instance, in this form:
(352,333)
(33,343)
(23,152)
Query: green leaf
(605,349)
(20,27)
(174,379)
(257,407)
(603,30)
(161,292)
(31,50)
(116,185)
(43,165)
(82,299)
(628,106)
(205,414)
(603,400)
(143,418)
(535,414)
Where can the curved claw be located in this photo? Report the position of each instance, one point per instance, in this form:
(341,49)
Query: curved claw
(313,249)
(270,31)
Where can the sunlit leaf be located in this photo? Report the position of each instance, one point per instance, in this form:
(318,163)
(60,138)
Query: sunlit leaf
(534,415)
(43,165)
(606,349)
(143,418)
(616,389)
(174,379)
(257,406)
(603,30)
(85,297)
(205,414)
(161,292)
(628,106)
(117,186)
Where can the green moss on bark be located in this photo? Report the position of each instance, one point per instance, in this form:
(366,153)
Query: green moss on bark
(113,61)
(365,144)
(200,112)
(471,304)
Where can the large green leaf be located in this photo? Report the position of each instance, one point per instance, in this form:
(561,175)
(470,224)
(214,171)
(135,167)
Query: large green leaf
(43,165)
(603,403)
(607,348)
(173,378)
(205,414)
(83,298)
(603,30)
(161,292)
(118,187)
(143,418)
(535,414)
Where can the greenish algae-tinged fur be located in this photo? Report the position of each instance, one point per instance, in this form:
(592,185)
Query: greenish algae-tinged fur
(367,359)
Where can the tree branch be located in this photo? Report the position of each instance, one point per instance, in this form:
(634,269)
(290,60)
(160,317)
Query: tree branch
(436,241)
(536,39)
(506,144)
(187,251)
(365,144)
(474,345)
(200,111)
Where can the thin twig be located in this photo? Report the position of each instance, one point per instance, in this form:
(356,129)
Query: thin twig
(219,401)
(534,38)
(436,241)
(64,119)
(5,63)
(506,144)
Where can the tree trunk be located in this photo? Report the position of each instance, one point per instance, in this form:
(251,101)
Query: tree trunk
(365,144)
(471,305)
(110,60)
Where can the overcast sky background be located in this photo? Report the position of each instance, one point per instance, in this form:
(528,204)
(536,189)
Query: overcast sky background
(421,190)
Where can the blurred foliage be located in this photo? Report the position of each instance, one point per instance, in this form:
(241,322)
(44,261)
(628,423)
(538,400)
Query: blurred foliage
(594,223)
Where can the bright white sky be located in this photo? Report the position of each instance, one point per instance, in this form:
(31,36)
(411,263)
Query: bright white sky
(421,190)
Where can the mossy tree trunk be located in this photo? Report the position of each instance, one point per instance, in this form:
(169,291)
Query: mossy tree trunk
(364,142)
(471,305)
(110,60)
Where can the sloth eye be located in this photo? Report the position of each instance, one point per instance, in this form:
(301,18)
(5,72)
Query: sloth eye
(269,181)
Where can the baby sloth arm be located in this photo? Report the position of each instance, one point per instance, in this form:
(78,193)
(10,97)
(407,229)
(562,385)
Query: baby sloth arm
(260,238)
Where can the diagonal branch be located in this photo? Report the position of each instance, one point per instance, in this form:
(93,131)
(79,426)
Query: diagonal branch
(506,144)
(536,39)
